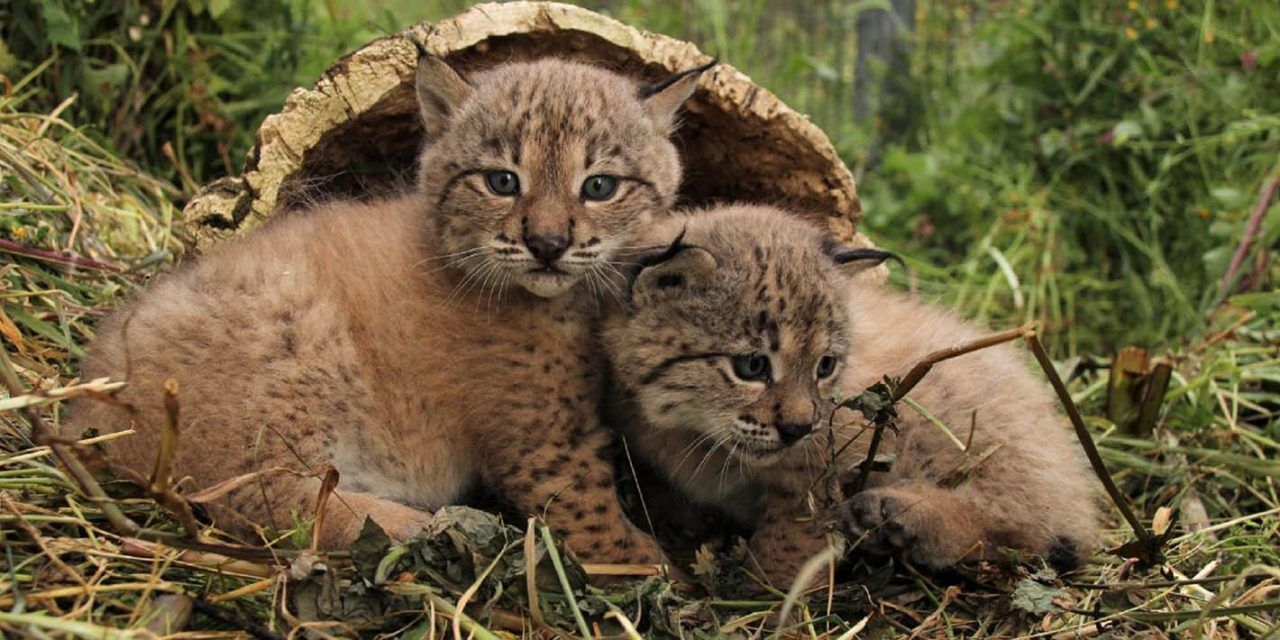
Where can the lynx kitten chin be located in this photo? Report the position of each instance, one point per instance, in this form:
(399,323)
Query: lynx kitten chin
(727,357)
(419,345)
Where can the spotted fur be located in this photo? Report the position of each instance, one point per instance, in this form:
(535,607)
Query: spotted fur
(416,345)
(756,280)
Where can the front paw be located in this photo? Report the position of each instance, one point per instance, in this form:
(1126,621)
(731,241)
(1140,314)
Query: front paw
(872,524)
(921,526)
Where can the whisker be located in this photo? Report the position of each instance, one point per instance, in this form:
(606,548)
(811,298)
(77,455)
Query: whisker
(725,466)
(591,285)
(698,469)
(472,278)
(446,256)
(606,284)
(687,451)
(456,262)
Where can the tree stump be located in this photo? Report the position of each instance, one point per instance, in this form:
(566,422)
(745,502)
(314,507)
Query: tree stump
(356,133)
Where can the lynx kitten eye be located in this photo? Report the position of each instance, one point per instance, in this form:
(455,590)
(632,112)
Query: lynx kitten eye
(502,183)
(826,366)
(599,187)
(751,367)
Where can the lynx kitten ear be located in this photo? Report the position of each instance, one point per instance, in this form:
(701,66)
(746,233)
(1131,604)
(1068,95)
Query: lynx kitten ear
(440,91)
(860,259)
(663,99)
(675,268)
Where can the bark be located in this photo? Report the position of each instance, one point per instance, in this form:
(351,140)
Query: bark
(356,133)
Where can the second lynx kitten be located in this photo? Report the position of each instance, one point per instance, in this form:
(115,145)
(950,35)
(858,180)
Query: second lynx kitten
(729,352)
(423,344)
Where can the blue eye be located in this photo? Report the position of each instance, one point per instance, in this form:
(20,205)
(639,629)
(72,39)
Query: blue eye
(751,367)
(826,367)
(599,187)
(502,183)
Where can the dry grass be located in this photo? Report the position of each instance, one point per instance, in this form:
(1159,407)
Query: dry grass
(82,229)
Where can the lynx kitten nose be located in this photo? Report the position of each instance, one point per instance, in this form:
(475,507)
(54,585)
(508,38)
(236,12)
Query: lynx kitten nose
(790,432)
(546,248)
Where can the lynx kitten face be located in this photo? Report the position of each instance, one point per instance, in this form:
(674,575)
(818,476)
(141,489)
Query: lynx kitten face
(540,171)
(740,348)
(728,355)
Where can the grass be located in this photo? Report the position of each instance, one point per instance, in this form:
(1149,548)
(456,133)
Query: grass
(1088,166)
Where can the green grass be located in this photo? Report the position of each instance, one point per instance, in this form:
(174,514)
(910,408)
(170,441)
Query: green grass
(1090,166)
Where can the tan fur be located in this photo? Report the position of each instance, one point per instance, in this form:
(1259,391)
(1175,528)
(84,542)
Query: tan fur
(761,281)
(409,343)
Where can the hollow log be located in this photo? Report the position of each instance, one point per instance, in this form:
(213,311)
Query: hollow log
(356,133)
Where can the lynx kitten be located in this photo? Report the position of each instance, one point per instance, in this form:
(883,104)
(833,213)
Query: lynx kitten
(730,351)
(423,344)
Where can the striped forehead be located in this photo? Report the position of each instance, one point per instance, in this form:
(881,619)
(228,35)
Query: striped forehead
(792,309)
(540,123)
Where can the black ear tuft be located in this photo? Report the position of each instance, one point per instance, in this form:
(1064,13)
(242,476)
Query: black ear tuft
(679,265)
(876,256)
(677,245)
(657,87)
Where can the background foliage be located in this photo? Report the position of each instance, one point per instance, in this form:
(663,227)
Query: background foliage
(1089,165)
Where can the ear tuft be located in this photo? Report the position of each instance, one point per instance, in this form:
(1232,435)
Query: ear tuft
(678,266)
(440,90)
(856,260)
(662,100)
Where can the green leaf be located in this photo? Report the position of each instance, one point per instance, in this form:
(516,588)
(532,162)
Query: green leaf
(59,26)
(218,7)
(1264,301)
(1228,197)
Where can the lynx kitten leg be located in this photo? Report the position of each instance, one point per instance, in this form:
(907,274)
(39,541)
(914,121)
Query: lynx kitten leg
(1018,498)
(928,524)
(344,514)
(573,488)
(346,511)
(786,536)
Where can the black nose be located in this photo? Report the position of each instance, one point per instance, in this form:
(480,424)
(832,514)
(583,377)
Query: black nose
(790,432)
(546,248)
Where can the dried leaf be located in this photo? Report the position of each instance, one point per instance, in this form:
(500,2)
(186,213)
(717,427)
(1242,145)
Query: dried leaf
(1035,597)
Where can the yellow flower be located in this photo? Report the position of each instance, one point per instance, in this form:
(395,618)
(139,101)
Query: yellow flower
(1131,33)
(1133,6)
(20,233)
(1151,23)
(1171,4)
(1205,213)
(1208,35)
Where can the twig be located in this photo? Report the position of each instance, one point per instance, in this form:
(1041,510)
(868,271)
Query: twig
(54,257)
(327,486)
(1265,195)
(901,388)
(160,488)
(227,618)
(918,372)
(1149,545)
(42,434)
(54,558)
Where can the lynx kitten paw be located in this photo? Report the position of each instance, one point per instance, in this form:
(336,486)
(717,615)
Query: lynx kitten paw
(919,525)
